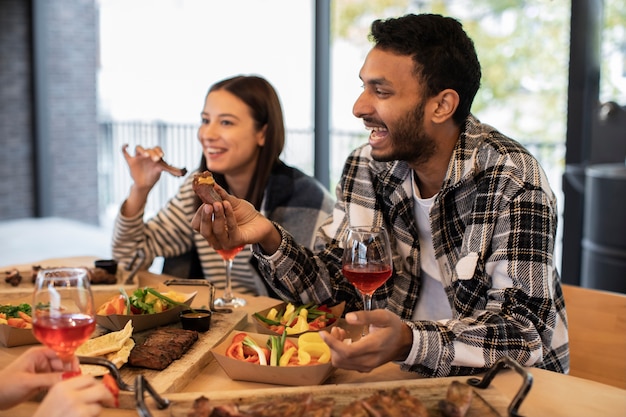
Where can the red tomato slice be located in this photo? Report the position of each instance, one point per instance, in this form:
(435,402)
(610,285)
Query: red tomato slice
(111,385)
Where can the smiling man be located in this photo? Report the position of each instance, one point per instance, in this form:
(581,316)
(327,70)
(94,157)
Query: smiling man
(471,216)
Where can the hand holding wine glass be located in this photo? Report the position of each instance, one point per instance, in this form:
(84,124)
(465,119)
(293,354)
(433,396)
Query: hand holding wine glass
(367,262)
(63,310)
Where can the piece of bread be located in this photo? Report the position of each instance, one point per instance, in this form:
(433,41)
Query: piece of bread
(108,343)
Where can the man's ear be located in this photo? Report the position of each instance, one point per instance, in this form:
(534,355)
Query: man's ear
(446,103)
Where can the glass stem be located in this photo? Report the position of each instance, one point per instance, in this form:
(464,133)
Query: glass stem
(228,292)
(367,303)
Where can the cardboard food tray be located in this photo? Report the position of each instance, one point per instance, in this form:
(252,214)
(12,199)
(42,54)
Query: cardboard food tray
(12,336)
(486,402)
(280,375)
(143,322)
(263,328)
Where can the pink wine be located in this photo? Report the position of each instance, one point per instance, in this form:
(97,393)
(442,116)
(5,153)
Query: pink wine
(367,278)
(229,254)
(64,333)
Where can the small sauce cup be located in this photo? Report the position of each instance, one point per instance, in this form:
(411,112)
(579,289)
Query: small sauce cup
(197,319)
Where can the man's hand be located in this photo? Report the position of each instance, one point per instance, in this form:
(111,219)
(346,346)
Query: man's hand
(389,339)
(234,222)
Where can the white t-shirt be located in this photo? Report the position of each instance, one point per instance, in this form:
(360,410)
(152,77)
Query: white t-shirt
(433,303)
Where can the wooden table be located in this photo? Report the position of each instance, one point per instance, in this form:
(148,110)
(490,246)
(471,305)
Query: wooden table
(552,394)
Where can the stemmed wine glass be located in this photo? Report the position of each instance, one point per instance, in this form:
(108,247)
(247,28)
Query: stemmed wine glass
(63,310)
(228,300)
(367,262)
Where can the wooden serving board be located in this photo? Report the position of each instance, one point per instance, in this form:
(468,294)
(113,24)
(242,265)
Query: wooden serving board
(486,402)
(181,371)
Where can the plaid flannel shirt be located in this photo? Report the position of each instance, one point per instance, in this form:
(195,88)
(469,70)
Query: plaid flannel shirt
(495,213)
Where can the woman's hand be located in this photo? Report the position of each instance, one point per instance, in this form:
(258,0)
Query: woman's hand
(233,222)
(33,371)
(145,169)
(80,396)
(389,339)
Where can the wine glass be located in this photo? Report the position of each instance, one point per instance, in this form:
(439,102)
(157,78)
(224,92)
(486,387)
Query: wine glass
(228,300)
(63,310)
(367,260)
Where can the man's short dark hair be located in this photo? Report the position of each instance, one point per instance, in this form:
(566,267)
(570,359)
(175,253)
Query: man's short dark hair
(444,55)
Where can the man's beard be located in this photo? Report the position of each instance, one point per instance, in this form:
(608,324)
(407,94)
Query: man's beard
(409,141)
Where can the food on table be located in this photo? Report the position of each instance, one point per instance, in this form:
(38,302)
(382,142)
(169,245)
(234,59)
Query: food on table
(13,277)
(294,320)
(458,400)
(100,276)
(142,301)
(296,405)
(97,276)
(162,347)
(112,386)
(204,187)
(280,351)
(177,172)
(19,316)
(397,402)
(114,346)
(302,405)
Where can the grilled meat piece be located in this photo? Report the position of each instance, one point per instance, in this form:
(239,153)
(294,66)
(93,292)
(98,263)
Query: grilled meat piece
(396,403)
(150,357)
(100,276)
(298,406)
(177,172)
(162,347)
(458,400)
(13,277)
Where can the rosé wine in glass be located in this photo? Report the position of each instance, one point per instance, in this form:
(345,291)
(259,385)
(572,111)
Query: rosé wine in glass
(228,300)
(367,261)
(63,310)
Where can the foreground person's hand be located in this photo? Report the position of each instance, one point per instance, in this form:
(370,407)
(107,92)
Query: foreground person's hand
(231,223)
(35,370)
(80,396)
(389,339)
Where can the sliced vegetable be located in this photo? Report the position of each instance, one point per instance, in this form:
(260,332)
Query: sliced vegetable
(247,341)
(281,352)
(290,321)
(301,325)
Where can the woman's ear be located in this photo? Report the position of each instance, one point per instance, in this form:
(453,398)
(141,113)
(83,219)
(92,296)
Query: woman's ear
(261,135)
(446,103)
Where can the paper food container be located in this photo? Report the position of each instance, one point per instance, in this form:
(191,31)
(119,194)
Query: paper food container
(264,328)
(142,322)
(12,336)
(280,375)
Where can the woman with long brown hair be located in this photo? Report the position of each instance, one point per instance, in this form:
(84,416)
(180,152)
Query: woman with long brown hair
(242,135)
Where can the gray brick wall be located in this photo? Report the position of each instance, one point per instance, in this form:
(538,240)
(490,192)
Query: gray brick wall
(16,133)
(69,124)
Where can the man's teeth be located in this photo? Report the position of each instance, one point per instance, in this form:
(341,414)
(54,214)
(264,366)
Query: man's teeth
(376,128)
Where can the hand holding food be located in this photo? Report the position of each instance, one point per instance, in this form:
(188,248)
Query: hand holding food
(204,187)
